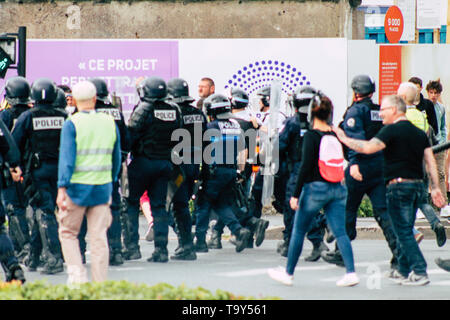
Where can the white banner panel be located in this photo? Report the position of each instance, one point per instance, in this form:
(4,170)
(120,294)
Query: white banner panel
(250,64)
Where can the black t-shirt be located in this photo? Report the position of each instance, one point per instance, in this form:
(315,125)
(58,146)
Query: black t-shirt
(405,145)
(309,168)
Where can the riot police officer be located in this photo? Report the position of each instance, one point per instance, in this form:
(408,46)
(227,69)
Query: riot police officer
(194,122)
(364,174)
(37,132)
(151,126)
(290,142)
(11,157)
(219,172)
(282,174)
(17,94)
(239,102)
(104,104)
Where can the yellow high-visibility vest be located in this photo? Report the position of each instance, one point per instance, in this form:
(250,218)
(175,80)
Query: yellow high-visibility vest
(95,139)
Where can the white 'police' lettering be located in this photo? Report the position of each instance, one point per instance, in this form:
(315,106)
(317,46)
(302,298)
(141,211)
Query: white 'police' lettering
(112,112)
(166,115)
(375,115)
(229,127)
(192,118)
(48,123)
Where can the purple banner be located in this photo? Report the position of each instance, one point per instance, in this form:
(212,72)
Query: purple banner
(118,62)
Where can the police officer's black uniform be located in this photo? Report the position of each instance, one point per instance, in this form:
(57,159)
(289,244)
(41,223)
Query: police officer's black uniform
(239,102)
(219,173)
(194,123)
(17,94)
(151,126)
(37,132)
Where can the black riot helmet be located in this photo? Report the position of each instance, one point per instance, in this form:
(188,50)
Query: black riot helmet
(301,98)
(265,95)
(17,91)
(60,101)
(178,90)
(217,104)
(43,91)
(102,89)
(239,99)
(363,85)
(152,89)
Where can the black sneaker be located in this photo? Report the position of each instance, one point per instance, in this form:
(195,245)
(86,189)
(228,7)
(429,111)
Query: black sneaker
(443,264)
(260,231)
(242,239)
(315,254)
(159,255)
(441,236)
(333,258)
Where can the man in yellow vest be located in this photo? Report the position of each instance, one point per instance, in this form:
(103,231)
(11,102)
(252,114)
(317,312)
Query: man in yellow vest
(89,162)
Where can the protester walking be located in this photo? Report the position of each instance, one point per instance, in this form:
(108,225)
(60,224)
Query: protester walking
(89,163)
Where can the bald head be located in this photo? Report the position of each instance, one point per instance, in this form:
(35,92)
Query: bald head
(408,92)
(84,93)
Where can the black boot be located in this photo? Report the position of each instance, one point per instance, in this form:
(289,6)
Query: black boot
(441,236)
(443,264)
(15,273)
(242,239)
(333,258)
(317,250)
(53,265)
(258,226)
(283,248)
(159,255)
(200,245)
(133,252)
(186,252)
(115,257)
(215,242)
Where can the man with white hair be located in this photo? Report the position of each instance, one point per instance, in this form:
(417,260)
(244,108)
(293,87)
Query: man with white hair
(408,92)
(405,148)
(89,163)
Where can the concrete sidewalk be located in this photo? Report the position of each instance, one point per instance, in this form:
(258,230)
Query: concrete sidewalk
(367,228)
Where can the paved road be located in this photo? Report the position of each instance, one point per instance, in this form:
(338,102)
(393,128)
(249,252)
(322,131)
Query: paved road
(245,273)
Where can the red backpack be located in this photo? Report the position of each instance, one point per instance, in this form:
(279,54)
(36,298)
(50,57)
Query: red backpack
(331,158)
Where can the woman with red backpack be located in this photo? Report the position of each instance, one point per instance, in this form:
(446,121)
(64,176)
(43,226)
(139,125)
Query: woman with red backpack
(319,187)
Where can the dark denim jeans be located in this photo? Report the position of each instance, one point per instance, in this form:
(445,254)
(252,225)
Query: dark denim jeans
(315,196)
(403,200)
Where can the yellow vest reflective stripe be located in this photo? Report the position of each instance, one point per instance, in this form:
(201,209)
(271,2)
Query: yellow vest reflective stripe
(95,138)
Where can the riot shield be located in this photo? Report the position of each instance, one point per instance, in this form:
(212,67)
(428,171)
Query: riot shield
(270,143)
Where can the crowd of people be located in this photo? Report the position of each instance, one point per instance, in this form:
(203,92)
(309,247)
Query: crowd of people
(74,167)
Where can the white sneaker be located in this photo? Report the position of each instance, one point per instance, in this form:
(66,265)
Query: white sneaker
(279,274)
(419,214)
(445,212)
(349,280)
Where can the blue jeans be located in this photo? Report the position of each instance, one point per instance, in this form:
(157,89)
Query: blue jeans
(315,196)
(403,200)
